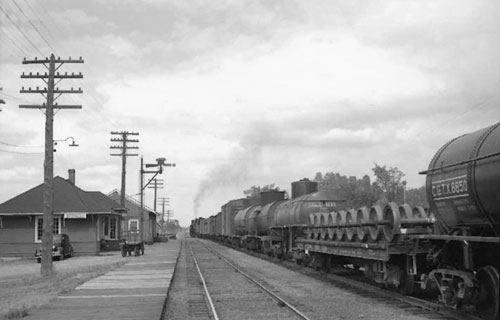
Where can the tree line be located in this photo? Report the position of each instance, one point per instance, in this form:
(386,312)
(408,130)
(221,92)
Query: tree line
(389,185)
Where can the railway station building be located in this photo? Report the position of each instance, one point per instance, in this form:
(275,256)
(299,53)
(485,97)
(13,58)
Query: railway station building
(86,217)
(133,219)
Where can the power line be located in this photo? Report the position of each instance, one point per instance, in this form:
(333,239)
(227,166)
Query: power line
(19,152)
(34,27)
(18,146)
(13,97)
(38,31)
(90,93)
(17,45)
(38,18)
(22,32)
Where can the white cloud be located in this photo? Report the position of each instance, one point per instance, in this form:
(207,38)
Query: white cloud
(324,87)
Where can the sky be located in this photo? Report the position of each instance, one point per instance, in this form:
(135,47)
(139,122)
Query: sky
(245,93)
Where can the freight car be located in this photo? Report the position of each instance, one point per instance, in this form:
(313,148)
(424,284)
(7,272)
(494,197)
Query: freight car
(451,251)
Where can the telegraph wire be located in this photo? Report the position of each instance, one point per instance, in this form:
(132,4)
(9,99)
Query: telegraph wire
(19,152)
(21,50)
(39,20)
(28,38)
(34,27)
(18,146)
(89,92)
(17,39)
(95,114)
(21,31)
(14,97)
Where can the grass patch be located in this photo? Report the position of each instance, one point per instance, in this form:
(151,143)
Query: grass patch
(17,313)
(19,295)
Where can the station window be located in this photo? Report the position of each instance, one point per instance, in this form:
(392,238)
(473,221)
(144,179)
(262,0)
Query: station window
(109,226)
(56,228)
(113,222)
(133,224)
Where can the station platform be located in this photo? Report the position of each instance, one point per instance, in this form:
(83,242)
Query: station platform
(135,291)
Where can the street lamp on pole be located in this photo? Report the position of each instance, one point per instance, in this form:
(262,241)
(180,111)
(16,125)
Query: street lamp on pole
(72,144)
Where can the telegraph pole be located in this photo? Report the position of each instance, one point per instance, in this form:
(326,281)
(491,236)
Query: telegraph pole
(124,147)
(1,100)
(169,213)
(52,64)
(164,201)
(157,184)
(160,163)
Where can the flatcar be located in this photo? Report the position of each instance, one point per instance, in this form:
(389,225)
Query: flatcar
(451,250)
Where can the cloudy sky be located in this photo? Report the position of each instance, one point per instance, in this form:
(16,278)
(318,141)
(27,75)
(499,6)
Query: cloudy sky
(242,93)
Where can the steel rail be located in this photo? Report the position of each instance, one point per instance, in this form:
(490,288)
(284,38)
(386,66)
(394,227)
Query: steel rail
(249,277)
(205,288)
(431,307)
(409,300)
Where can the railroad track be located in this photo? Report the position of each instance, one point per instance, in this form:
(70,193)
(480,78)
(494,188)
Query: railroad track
(218,289)
(410,304)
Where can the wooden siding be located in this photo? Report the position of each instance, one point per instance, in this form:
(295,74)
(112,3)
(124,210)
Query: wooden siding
(17,237)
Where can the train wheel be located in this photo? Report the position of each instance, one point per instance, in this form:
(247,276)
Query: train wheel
(487,305)
(406,284)
(124,252)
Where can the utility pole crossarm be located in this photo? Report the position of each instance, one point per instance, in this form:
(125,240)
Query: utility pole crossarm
(55,76)
(120,147)
(44,106)
(45,90)
(48,60)
(124,140)
(127,133)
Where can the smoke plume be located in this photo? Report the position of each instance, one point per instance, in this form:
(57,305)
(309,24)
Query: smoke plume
(238,167)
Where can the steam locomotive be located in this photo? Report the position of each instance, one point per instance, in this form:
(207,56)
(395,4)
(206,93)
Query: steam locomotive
(449,251)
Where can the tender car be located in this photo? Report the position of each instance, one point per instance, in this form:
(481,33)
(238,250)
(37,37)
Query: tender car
(61,248)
